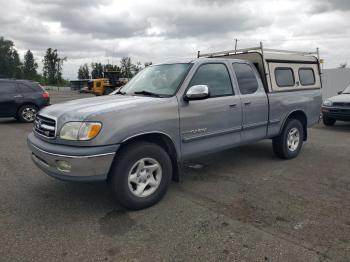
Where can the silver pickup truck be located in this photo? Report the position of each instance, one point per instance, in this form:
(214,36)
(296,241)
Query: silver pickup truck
(137,138)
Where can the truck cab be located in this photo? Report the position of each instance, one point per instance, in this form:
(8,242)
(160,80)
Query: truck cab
(136,139)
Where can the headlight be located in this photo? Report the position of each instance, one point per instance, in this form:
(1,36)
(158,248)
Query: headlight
(327,103)
(80,130)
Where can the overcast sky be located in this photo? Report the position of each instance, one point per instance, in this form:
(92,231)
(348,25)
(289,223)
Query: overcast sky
(154,30)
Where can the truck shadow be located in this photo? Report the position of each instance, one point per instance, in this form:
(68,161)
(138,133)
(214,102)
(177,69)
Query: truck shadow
(8,121)
(338,127)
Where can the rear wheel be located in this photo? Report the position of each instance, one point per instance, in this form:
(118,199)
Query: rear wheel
(27,113)
(140,175)
(108,91)
(328,121)
(288,144)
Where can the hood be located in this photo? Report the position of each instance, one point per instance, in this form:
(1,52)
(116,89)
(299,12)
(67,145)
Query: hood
(81,109)
(343,98)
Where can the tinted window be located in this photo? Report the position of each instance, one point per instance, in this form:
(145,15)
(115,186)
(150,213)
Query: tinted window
(26,88)
(284,77)
(247,82)
(216,77)
(306,76)
(7,88)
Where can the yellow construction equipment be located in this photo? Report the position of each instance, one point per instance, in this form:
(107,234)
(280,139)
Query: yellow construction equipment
(106,85)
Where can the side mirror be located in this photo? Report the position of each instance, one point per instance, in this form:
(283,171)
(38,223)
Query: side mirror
(340,92)
(197,92)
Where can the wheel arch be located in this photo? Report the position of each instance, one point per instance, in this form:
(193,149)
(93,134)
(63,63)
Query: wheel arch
(163,140)
(300,115)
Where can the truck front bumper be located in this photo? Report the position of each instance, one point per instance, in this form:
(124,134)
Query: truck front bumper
(70,163)
(338,113)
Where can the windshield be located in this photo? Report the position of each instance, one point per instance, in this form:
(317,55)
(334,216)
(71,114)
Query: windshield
(162,80)
(347,90)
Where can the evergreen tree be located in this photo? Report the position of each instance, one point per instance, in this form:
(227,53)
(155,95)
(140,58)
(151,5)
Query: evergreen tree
(126,67)
(136,68)
(10,64)
(147,64)
(30,66)
(96,70)
(83,72)
(53,65)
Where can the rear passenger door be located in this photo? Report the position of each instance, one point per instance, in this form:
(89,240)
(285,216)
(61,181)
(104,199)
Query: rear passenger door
(9,98)
(214,123)
(254,102)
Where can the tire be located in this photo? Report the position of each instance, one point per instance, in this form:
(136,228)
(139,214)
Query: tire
(293,132)
(27,113)
(132,187)
(328,121)
(107,91)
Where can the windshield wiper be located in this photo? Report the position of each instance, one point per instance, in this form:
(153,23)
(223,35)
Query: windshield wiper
(147,93)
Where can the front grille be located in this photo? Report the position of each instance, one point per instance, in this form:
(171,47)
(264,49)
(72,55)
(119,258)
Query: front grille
(341,104)
(340,111)
(45,126)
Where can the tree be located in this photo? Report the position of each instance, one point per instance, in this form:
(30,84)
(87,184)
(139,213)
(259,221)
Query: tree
(29,66)
(126,67)
(109,67)
(83,72)
(10,64)
(53,65)
(136,68)
(343,65)
(147,64)
(96,70)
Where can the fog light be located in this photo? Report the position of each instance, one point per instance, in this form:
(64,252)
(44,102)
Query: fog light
(63,166)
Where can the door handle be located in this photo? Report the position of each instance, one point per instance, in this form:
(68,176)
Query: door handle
(247,103)
(233,105)
(18,96)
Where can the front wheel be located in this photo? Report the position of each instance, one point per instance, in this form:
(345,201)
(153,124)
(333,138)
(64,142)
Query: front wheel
(140,175)
(288,144)
(328,121)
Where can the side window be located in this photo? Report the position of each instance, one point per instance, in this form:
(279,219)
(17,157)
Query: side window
(216,77)
(307,76)
(98,84)
(284,77)
(246,78)
(7,88)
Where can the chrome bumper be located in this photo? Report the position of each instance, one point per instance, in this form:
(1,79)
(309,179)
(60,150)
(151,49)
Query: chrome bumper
(78,166)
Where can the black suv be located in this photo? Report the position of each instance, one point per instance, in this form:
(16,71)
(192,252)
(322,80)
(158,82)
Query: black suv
(22,99)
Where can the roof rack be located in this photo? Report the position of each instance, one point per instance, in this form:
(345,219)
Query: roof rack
(257,49)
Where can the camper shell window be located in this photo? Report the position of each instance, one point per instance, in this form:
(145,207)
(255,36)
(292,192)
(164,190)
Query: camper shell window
(284,77)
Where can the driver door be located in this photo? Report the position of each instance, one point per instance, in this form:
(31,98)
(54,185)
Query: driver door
(213,123)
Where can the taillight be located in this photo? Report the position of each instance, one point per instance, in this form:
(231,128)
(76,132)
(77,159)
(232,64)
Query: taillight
(46,94)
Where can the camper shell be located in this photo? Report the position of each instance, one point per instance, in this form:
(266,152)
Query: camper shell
(267,61)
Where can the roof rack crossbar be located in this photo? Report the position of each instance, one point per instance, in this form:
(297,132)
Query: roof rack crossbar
(258,48)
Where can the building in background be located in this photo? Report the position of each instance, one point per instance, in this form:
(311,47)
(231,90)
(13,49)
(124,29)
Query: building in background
(334,80)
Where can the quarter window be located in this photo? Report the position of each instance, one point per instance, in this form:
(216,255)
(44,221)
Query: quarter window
(26,89)
(306,76)
(216,77)
(247,82)
(284,77)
